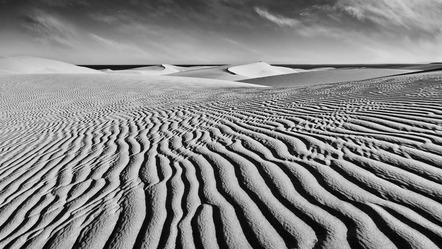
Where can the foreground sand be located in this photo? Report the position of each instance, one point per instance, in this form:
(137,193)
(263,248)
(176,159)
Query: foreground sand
(112,161)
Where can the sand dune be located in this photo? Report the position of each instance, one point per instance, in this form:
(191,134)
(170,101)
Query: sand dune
(224,72)
(261,69)
(239,72)
(425,67)
(326,76)
(164,69)
(118,161)
(35,65)
(216,72)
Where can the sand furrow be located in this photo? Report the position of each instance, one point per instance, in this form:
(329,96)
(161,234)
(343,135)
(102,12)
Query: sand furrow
(114,161)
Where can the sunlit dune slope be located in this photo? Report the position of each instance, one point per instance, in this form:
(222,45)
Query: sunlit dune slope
(238,72)
(216,72)
(261,69)
(164,69)
(36,65)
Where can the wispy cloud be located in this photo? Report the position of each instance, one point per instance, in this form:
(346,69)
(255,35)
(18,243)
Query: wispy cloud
(49,29)
(422,15)
(168,28)
(61,3)
(118,45)
(277,19)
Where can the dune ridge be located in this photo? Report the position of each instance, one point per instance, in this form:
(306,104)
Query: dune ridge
(112,161)
(261,69)
(240,72)
(37,65)
(163,69)
(216,72)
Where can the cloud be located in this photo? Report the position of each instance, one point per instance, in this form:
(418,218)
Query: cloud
(118,45)
(130,28)
(108,19)
(354,11)
(392,20)
(49,29)
(424,15)
(61,3)
(277,19)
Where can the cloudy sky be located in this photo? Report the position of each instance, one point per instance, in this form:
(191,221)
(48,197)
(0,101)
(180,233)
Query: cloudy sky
(223,31)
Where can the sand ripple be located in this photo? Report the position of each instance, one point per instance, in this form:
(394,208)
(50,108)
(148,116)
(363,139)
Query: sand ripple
(127,162)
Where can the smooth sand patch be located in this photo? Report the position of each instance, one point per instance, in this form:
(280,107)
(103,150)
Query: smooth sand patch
(36,65)
(261,69)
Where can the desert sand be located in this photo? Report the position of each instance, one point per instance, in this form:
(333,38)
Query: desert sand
(313,77)
(164,69)
(139,161)
(242,72)
(215,72)
(36,65)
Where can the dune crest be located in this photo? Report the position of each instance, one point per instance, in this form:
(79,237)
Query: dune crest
(163,69)
(239,72)
(212,72)
(36,65)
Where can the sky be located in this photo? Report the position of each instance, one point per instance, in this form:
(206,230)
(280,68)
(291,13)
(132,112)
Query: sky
(223,31)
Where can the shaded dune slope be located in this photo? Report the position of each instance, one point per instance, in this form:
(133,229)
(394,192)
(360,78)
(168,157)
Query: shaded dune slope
(127,162)
(216,72)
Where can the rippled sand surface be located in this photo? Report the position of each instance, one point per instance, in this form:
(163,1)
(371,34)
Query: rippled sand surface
(113,161)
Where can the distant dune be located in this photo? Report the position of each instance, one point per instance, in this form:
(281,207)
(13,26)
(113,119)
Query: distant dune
(326,76)
(36,65)
(261,69)
(129,161)
(238,72)
(164,69)
(425,67)
(216,72)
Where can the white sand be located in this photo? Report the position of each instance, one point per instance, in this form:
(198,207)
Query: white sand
(240,72)
(126,161)
(224,72)
(326,76)
(215,72)
(164,69)
(36,65)
(261,69)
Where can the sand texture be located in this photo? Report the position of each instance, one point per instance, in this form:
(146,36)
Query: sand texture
(326,76)
(121,161)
